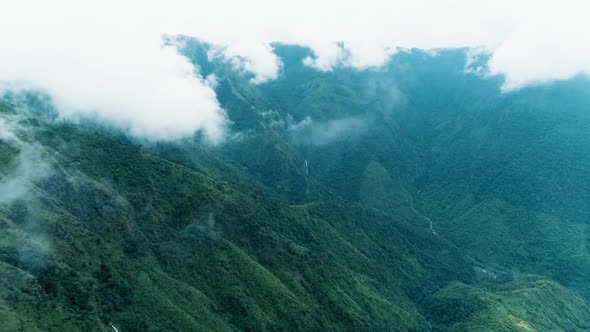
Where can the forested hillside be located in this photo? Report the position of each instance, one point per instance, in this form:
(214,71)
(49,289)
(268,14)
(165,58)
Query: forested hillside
(413,197)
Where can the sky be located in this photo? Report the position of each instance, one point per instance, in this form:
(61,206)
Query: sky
(106,58)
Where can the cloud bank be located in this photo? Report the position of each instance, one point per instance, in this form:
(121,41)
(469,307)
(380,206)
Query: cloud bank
(103,62)
(105,59)
(552,44)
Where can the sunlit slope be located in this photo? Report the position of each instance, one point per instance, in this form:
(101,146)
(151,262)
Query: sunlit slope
(531,304)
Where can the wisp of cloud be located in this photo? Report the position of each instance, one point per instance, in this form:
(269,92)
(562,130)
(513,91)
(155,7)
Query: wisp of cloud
(106,59)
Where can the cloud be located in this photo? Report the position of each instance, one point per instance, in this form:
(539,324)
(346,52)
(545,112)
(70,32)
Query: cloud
(530,41)
(310,132)
(105,59)
(29,167)
(17,184)
(94,61)
(552,44)
(6,133)
(256,58)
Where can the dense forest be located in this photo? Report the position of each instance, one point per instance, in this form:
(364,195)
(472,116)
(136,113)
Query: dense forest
(414,197)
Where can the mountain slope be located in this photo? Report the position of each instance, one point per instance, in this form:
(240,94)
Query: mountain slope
(417,197)
(149,244)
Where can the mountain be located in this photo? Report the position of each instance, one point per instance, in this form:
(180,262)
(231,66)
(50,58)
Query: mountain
(414,197)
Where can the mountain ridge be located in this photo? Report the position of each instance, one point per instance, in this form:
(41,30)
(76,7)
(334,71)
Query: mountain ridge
(414,222)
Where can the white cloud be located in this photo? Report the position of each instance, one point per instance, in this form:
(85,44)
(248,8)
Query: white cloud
(552,44)
(17,184)
(104,58)
(252,57)
(310,132)
(106,61)
(30,167)
(6,133)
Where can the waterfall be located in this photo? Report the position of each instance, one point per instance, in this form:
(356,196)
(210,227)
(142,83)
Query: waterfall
(431,226)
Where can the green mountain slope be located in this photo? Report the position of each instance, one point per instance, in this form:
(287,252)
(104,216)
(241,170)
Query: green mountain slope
(532,304)
(417,197)
(123,236)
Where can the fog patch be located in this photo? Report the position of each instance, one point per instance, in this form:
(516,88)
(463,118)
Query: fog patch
(27,168)
(33,101)
(385,92)
(273,119)
(24,166)
(6,133)
(202,230)
(311,132)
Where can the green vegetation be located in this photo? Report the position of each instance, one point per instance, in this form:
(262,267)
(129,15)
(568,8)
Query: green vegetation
(532,304)
(412,198)
(160,246)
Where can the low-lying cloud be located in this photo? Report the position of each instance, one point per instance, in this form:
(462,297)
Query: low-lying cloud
(310,132)
(19,177)
(6,133)
(17,184)
(108,62)
(106,59)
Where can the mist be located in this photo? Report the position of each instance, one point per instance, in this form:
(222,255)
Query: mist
(107,60)
(26,168)
(6,134)
(311,132)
